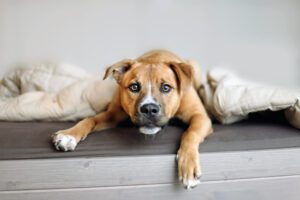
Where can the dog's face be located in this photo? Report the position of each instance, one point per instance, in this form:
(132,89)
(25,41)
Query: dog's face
(150,93)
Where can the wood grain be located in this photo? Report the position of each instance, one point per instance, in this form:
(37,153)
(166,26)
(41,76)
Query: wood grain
(142,170)
(248,189)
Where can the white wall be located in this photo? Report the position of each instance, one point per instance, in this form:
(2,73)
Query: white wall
(258,38)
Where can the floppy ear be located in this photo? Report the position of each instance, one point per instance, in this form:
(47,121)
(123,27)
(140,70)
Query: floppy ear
(118,69)
(184,73)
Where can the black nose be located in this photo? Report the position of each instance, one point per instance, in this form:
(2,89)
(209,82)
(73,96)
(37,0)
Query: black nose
(150,110)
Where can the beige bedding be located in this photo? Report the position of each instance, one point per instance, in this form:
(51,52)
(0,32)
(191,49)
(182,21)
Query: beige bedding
(229,98)
(52,92)
(60,92)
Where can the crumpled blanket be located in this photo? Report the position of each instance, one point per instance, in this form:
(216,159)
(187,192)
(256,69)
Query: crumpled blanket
(229,98)
(61,92)
(52,92)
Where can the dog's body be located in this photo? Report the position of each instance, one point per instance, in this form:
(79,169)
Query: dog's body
(152,89)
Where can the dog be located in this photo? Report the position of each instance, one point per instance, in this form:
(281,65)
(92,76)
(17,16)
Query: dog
(152,89)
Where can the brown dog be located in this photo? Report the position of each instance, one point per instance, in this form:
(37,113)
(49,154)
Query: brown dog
(152,89)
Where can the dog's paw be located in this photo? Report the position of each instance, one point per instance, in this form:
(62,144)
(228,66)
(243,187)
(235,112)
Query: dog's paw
(189,170)
(63,141)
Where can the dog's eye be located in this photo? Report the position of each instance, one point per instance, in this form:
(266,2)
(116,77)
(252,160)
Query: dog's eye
(165,88)
(135,87)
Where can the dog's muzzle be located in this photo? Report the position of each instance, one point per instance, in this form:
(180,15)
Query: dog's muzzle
(149,114)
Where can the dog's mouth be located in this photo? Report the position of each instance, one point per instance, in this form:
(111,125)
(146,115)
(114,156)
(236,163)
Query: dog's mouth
(150,130)
(149,126)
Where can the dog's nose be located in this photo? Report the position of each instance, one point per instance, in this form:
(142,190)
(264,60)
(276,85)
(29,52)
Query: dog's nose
(150,110)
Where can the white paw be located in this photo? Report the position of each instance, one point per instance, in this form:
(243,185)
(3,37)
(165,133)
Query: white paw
(64,142)
(189,170)
(190,183)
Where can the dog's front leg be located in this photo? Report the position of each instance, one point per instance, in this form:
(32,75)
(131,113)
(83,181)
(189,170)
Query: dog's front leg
(189,169)
(67,140)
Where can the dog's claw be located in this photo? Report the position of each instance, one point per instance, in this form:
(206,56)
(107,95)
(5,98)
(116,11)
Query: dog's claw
(198,177)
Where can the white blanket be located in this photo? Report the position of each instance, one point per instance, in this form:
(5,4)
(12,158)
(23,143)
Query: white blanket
(63,92)
(230,99)
(51,92)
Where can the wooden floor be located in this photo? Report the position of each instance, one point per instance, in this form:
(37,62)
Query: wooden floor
(264,174)
(249,160)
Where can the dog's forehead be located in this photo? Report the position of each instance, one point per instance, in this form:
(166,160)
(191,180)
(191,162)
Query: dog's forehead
(158,72)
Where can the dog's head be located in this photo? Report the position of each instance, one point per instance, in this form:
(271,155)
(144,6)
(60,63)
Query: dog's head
(150,93)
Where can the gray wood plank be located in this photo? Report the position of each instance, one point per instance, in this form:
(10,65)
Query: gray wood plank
(125,140)
(142,170)
(248,189)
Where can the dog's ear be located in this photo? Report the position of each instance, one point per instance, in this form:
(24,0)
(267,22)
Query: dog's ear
(184,74)
(118,69)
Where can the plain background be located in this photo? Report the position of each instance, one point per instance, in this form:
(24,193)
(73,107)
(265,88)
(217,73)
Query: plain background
(260,39)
